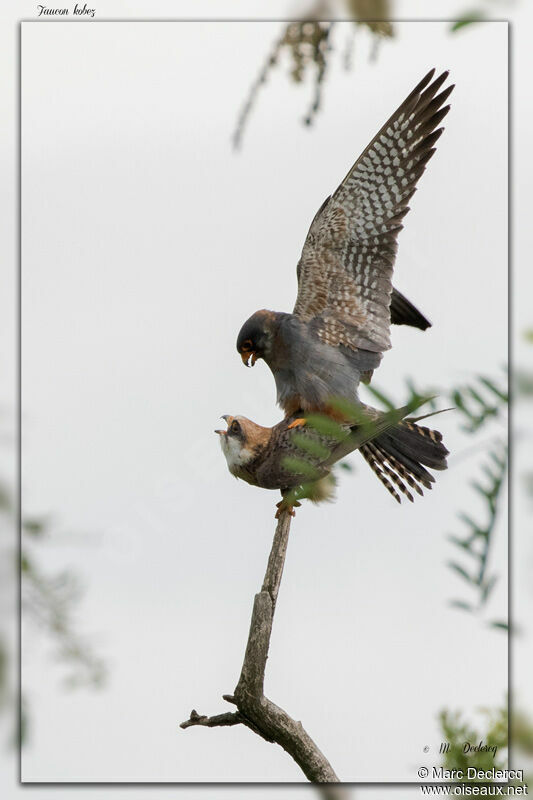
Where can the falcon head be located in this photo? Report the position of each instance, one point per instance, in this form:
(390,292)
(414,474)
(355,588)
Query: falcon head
(241,440)
(256,337)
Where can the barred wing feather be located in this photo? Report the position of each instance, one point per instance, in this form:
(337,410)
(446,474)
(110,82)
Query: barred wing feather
(345,270)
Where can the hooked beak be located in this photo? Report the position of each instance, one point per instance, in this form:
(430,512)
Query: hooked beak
(246,356)
(227,419)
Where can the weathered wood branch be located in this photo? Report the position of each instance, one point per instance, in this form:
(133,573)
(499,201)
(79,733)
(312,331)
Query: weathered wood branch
(254,709)
(229,718)
(220,720)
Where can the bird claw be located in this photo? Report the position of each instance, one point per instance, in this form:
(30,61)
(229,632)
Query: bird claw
(297,423)
(283,505)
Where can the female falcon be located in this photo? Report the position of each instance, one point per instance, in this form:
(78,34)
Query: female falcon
(397,450)
(339,327)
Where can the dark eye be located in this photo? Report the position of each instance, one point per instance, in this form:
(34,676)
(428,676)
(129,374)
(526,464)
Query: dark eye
(235,427)
(247,345)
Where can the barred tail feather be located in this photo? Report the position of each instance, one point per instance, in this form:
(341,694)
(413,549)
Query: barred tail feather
(399,458)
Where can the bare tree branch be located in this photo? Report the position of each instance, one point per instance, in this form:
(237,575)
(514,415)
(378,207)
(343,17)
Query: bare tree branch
(221,720)
(254,709)
(229,718)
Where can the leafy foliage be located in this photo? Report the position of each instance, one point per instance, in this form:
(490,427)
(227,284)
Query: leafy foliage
(476,543)
(476,15)
(308,45)
(479,402)
(376,15)
(522,732)
(523,382)
(315,454)
(458,733)
(49,602)
(499,729)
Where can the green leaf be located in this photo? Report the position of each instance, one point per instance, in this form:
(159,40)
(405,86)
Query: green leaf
(34,527)
(487,587)
(486,470)
(500,624)
(494,389)
(345,465)
(462,572)
(462,605)
(467,520)
(500,461)
(477,397)
(312,446)
(479,488)
(468,19)
(415,393)
(524,383)
(25,564)
(298,466)
(466,544)
(322,424)
(379,395)
(458,401)
(350,411)
(5,498)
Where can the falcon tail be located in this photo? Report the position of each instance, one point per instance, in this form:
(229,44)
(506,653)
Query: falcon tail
(399,458)
(403,312)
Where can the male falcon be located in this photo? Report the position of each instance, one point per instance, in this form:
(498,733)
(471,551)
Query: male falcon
(339,327)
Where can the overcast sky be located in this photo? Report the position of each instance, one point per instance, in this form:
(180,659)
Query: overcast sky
(146,243)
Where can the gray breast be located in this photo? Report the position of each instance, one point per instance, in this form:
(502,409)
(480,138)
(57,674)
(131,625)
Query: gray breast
(315,370)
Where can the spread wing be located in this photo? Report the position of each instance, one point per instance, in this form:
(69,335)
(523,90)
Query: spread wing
(345,271)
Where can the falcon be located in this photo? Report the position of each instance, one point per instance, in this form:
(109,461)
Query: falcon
(397,450)
(340,324)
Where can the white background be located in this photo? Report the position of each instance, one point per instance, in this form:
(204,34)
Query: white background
(129,461)
(146,243)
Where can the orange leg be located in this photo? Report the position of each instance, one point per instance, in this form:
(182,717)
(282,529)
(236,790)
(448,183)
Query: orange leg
(297,423)
(284,506)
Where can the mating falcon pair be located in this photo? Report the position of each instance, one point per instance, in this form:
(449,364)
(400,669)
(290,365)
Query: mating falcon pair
(339,328)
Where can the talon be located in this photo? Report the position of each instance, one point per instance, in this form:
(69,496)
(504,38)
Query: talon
(284,506)
(297,423)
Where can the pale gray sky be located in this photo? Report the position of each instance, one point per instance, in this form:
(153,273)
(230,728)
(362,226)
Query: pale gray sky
(146,243)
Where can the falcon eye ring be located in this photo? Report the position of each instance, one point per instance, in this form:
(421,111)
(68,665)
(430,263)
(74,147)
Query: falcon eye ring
(235,427)
(247,345)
